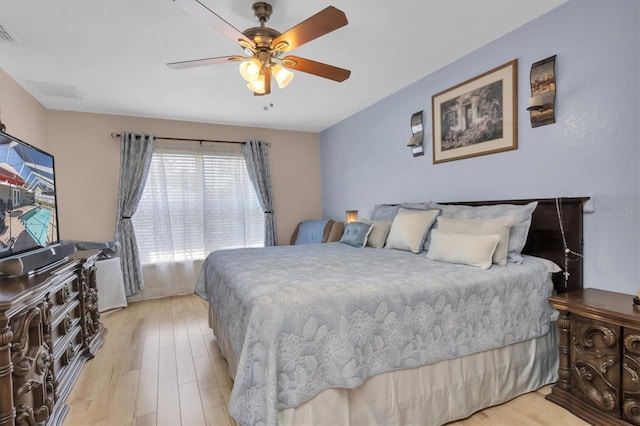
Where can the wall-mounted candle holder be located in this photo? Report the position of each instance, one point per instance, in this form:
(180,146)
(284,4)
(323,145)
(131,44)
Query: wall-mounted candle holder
(543,92)
(415,140)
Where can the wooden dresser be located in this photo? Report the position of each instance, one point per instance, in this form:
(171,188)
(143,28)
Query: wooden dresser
(49,327)
(599,342)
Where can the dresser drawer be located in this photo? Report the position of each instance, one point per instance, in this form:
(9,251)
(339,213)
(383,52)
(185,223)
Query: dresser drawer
(66,351)
(64,293)
(65,321)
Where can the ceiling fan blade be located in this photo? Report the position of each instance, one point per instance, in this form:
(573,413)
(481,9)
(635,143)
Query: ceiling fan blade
(321,23)
(202,12)
(316,68)
(202,62)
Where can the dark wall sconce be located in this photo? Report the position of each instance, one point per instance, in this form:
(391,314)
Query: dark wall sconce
(543,92)
(415,140)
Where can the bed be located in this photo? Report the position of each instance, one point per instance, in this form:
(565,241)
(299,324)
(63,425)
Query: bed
(387,336)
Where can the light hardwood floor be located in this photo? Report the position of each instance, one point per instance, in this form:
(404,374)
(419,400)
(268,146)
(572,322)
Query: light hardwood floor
(160,365)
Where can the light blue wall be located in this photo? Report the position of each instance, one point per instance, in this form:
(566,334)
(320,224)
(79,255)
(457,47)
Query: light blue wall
(592,150)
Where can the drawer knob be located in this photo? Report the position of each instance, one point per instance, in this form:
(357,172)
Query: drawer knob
(64,295)
(634,375)
(69,354)
(65,326)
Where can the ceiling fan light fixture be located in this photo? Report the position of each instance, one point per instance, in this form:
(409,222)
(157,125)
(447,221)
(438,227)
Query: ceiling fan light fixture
(257,86)
(282,75)
(250,69)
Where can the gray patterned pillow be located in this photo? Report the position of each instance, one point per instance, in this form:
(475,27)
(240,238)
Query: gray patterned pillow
(356,234)
(384,211)
(520,213)
(415,206)
(387,212)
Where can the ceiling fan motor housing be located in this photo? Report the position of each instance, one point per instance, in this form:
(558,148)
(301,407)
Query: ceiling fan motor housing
(262,11)
(262,36)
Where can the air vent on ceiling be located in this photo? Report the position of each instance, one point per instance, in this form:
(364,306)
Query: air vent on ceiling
(58,90)
(5,35)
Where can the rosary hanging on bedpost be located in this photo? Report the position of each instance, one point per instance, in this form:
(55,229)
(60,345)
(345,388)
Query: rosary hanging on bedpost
(567,250)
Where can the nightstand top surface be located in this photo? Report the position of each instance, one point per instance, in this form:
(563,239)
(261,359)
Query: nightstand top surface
(595,302)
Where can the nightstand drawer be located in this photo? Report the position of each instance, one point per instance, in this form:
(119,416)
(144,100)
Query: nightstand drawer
(631,375)
(595,360)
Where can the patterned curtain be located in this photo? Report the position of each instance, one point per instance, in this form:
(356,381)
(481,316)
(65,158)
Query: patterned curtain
(257,159)
(135,158)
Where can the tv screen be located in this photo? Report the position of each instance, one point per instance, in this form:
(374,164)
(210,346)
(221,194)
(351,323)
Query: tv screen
(28,214)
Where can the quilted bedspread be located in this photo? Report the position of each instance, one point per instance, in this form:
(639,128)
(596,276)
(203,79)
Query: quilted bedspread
(306,318)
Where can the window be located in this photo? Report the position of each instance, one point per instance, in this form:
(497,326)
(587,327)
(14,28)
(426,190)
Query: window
(197,199)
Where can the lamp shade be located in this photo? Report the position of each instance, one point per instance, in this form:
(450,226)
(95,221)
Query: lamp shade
(257,86)
(352,216)
(282,75)
(250,69)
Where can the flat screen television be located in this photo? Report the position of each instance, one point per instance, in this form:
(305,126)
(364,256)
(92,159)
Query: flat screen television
(28,212)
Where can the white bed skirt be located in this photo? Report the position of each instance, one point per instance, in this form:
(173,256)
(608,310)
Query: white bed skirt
(430,395)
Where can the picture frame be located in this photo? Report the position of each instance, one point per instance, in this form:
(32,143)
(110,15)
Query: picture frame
(478,116)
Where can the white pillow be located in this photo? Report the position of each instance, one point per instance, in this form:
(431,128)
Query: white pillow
(409,229)
(379,233)
(467,249)
(500,226)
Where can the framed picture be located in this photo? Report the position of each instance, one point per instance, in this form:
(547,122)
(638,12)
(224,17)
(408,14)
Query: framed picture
(478,116)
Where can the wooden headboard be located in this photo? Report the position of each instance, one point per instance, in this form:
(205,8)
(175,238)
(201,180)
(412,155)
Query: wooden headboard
(545,236)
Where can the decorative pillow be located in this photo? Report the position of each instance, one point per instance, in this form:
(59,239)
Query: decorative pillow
(409,229)
(416,206)
(466,249)
(384,211)
(500,226)
(379,232)
(520,213)
(356,234)
(311,231)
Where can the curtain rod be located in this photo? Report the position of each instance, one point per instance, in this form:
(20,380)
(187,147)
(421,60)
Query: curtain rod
(117,135)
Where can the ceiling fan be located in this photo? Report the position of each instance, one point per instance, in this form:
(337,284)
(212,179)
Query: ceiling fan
(263,46)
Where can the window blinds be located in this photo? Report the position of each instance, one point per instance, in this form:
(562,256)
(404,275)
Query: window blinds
(197,199)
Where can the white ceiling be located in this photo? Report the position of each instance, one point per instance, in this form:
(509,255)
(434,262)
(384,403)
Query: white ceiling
(114,54)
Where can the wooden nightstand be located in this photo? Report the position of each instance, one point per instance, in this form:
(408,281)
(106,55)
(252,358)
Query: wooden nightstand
(599,343)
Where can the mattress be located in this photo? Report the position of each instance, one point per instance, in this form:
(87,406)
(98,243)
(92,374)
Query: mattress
(308,318)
